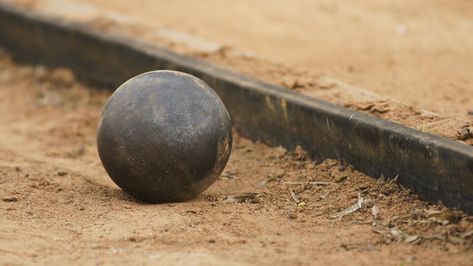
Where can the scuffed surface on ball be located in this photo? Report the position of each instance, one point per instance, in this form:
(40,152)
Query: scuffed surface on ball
(164,136)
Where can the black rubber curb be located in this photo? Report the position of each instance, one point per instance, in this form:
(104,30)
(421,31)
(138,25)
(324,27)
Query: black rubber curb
(436,168)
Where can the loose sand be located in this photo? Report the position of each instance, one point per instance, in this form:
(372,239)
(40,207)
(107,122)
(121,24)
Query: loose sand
(405,62)
(58,206)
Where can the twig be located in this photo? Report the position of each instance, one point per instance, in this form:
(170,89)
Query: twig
(317,183)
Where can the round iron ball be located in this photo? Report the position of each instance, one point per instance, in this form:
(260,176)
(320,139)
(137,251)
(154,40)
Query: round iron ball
(164,136)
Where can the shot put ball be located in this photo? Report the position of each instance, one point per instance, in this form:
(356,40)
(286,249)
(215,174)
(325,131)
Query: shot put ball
(164,136)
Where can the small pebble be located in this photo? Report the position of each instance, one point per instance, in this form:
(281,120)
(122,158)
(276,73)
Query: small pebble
(464,133)
(61,173)
(10,199)
(341,178)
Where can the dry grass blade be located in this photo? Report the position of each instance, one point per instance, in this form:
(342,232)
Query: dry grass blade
(316,183)
(412,239)
(355,207)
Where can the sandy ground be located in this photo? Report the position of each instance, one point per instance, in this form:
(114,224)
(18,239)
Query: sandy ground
(417,52)
(58,206)
(414,63)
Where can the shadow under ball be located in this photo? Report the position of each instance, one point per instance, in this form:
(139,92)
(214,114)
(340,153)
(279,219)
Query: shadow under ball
(164,136)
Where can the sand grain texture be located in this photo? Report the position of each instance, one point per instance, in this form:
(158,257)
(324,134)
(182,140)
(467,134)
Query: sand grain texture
(59,207)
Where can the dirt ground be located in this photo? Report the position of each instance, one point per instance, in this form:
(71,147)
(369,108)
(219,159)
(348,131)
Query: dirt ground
(418,52)
(404,62)
(58,206)
(270,206)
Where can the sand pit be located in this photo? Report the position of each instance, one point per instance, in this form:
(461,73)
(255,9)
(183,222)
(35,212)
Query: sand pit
(270,206)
